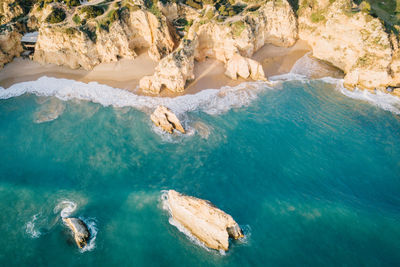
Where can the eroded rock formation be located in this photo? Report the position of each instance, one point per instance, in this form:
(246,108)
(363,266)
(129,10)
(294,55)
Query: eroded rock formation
(239,66)
(88,45)
(79,229)
(232,42)
(173,71)
(9,10)
(209,224)
(166,120)
(10,44)
(355,42)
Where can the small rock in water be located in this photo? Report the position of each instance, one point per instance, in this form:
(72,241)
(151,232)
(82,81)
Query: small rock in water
(80,230)
(166,120)
(209,224)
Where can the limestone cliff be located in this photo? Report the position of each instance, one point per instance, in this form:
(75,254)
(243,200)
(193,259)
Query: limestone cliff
(273,23)
(231,40)
(9,10)
(10,44)
(173,71)
(88,45)
(351,40)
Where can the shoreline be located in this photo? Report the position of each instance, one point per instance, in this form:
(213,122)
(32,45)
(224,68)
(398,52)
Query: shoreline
(125,74)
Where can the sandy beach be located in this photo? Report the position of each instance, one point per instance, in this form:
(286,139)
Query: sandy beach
(125,74)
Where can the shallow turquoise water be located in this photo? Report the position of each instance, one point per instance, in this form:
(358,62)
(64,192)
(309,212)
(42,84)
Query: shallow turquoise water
(311,175)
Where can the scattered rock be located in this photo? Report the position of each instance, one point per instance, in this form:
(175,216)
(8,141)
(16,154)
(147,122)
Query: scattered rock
(166,120)
(80,230)
(209,224)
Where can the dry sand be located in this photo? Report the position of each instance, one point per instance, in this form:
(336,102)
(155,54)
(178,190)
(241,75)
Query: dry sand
(125,74)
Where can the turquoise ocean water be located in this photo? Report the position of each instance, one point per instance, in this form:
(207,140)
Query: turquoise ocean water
(310,174)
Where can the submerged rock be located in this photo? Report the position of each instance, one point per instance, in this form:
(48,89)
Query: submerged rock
(209,224)
(50,110)
(166,120)
(80,230)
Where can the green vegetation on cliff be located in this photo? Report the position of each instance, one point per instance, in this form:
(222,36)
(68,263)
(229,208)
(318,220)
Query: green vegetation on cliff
(56,16)
(386,10)
(92,11)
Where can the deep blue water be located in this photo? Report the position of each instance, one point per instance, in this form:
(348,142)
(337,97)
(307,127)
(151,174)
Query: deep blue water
(312,176)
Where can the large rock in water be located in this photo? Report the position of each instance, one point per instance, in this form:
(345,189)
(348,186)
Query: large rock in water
(80,230)
(166,120)
(209,224)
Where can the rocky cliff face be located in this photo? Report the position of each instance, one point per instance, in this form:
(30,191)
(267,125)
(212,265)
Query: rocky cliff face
(231,41)
(10,44)
(88,45)
(353,41)
(9,10)
(173,71)
(273,23)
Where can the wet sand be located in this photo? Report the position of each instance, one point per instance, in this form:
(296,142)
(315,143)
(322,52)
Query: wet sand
(125,74)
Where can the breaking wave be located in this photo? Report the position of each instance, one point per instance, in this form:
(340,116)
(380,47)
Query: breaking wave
(91,224)
(66,208)
(382,100)
(211,101)
(30,227)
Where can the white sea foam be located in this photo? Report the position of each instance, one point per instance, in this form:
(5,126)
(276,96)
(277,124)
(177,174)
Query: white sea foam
(66,208)
(211,101)
(30,227)
(382,100)
(91,224)
(288,77)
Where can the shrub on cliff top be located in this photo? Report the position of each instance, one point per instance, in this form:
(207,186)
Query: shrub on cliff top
(71,3)
(76,19)
(56,16)
(92,11)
